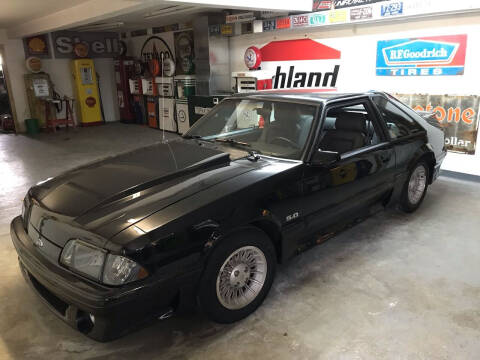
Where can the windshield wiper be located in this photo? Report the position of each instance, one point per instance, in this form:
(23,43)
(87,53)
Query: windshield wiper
(191,136)
(232,141)
(196,137)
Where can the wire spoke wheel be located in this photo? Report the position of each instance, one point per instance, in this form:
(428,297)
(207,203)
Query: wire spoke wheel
(417,184)
(241,277)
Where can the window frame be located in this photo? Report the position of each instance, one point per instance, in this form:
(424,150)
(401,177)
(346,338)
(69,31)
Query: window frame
(405,115)
(372,111)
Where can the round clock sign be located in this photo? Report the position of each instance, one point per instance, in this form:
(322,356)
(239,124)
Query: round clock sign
(253,57)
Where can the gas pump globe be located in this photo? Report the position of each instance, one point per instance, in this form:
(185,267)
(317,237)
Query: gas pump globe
(255,79)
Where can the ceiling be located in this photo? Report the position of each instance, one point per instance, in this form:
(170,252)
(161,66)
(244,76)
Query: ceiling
(165,14)
(13,12)
(21,18)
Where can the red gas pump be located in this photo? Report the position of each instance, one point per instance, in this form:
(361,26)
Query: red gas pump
(125,70)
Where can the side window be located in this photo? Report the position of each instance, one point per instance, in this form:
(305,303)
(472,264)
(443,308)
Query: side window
(346,128)
(397,121)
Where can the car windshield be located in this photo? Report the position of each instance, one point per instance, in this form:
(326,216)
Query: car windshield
(272,128)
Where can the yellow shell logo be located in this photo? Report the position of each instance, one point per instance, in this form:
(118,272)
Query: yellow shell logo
(37,45)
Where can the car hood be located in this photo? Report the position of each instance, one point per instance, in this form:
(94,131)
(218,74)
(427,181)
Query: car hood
(109,195)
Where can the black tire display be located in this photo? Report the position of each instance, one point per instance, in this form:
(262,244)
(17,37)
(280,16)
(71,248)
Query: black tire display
(238,276)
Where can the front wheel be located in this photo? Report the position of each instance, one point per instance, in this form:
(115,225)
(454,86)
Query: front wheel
(415,188)
(238,276)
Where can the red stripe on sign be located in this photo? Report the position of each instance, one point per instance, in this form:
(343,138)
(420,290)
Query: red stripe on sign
(300,49)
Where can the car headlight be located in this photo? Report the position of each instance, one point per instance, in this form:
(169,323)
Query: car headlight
(97,264)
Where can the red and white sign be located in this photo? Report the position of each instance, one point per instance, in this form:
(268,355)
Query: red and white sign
(299,64)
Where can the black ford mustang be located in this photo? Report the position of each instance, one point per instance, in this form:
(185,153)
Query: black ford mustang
(204,219)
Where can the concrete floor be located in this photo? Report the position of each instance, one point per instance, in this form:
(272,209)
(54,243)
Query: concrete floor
(396,286)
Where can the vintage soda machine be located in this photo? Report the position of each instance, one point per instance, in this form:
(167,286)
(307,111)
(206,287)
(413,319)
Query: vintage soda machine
(185,86)
(86,90)
(125,70)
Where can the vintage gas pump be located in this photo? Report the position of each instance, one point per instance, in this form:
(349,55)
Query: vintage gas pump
(255,79)
(166,101)
(39,89)
(125,70)
(150,91)
(86,90)
(185,86)
(136,89)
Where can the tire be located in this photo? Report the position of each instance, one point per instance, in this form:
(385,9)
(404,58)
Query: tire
(417,178)
(229,258)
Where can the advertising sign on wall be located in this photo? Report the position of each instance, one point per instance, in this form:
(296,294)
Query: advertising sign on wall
(268,25)
(425,56)
(36,46)
(317,19)
(322,5)
(100,44)
(361,13)
(184,51)
(457,115)
(249,16)
(299,64)
(349,3)
(392,9)
(299,20)
(337,16)
(154,47)
(283,23)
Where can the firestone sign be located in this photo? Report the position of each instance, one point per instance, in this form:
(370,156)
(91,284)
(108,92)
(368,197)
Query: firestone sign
(428,56)
(457,115)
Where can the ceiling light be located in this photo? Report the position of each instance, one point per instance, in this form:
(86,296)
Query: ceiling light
(171,10)
(102,26)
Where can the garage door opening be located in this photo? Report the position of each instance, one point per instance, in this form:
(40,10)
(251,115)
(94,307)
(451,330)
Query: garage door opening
(7,123)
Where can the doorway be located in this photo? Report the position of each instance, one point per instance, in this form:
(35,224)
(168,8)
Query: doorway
(7,107)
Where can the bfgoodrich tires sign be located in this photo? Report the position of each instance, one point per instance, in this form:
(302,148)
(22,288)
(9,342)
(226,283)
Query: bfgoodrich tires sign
(422,56)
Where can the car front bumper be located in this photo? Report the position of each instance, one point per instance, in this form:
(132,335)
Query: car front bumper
(102,313)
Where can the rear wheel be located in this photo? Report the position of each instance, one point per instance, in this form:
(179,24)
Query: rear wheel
(238,276)
(415,187)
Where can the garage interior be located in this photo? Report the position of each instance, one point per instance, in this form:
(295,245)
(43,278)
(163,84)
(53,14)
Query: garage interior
(394,286)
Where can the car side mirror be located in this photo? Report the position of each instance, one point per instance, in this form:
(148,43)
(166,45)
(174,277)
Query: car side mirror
(325,158)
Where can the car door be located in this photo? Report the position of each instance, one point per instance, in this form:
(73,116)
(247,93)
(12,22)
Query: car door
(337,193)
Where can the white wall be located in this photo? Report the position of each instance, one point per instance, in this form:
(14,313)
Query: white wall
(358,59)
(108,88)
(15,63)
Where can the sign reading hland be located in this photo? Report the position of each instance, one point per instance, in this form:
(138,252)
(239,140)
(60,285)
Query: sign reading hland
(423,56)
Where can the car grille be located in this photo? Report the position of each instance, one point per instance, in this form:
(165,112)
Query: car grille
(59,305)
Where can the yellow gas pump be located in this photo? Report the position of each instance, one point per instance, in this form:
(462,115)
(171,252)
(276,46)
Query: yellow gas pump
(86,90)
